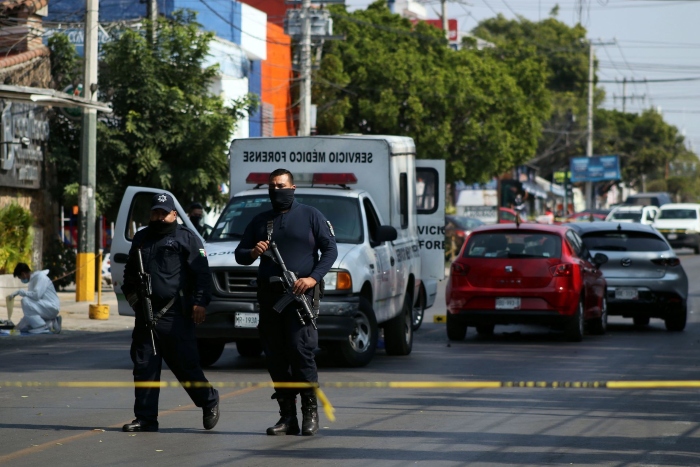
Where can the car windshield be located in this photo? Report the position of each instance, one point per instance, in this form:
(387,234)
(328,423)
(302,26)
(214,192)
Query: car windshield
(678,214)
(343,213)
(624,241)
(514,244)
(635,216)
(467,223)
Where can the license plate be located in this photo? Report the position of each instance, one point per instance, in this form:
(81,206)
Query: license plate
(672,236)
(626,294)
(508,303)
(247,320)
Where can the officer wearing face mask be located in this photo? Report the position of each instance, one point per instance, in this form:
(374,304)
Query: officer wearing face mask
(181,289)
(300,232)
(196,215)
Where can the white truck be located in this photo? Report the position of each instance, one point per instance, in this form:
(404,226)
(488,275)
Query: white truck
(387,211)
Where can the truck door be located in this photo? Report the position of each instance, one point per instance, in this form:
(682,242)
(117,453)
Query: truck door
(134,214)
(383,266)
(430,204)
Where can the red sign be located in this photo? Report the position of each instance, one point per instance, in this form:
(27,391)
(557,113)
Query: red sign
(451,26)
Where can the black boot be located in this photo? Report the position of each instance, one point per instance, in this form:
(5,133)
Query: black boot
(288,423)
(309,411)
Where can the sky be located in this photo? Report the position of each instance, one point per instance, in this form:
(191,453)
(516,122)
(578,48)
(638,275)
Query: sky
(644,40)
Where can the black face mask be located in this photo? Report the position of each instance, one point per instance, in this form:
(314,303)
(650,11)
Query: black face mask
(161,227)
(196,220)
(282,198)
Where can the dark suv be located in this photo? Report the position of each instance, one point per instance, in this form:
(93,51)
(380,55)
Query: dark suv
(657,199)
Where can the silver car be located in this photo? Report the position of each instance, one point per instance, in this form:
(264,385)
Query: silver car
(645,277)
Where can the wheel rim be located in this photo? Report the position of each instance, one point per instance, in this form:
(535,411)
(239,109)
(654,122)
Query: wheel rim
(418,310)
(408,328)
(361,337)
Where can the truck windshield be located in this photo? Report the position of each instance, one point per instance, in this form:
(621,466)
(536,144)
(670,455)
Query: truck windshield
(343,213)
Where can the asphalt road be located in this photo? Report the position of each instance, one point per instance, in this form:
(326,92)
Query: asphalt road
(378,427)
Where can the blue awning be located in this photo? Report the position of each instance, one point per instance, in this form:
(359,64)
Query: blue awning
(534,189)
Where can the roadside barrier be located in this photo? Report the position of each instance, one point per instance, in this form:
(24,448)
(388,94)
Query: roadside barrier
(328,408)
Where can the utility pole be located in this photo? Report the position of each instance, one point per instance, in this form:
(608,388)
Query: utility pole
(445,26)
(152,16)
(589,139)
(590,204)
(624,96)
(85,274)
(305,90)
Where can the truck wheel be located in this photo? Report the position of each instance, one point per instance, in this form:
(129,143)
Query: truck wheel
(209,351)
(419,309)
(456,331)
(676,319)
(398,331)
(359,347)
(249,347)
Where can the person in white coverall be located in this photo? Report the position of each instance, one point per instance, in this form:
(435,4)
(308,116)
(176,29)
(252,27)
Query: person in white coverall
(40,303)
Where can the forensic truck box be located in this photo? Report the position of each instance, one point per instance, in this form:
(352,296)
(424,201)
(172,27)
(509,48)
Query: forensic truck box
(387,209)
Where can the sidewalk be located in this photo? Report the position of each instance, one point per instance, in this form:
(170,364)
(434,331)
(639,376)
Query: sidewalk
(75,314)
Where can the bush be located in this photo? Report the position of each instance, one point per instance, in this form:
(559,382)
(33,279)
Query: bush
(15,237)
(59,259)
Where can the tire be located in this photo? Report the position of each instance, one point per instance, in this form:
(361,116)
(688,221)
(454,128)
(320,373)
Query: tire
(485,329)
(419,309)
(640,321)
(575,328)
(697,250)
(249,348)
(455,331)
(599,326)
(398,331)
(359,348)
(209,351)
(676,320)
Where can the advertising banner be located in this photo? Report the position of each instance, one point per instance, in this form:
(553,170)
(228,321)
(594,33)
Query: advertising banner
(595,168)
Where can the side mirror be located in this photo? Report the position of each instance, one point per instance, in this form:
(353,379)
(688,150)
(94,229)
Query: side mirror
(599,259)
(386,233)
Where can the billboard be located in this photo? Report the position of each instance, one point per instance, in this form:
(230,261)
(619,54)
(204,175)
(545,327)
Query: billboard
(595,168)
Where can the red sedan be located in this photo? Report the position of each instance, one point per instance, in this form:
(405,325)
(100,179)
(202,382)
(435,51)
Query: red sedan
(526,274)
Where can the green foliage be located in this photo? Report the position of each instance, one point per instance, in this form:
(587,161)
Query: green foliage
(15,237)
(59,259)
(475,109)
(167,130)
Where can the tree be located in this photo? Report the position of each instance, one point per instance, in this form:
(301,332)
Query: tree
(167,130)
(474,109)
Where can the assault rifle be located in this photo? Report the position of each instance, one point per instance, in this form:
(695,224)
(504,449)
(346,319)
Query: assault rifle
(288,279)
(144,292)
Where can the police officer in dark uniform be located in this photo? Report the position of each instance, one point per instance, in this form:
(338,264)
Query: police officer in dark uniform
(181,289)
(300,232)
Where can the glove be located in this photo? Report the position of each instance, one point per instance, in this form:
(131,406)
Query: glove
(12,295)
(21,293)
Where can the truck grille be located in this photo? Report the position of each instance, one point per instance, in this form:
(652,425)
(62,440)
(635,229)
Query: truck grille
(241,282)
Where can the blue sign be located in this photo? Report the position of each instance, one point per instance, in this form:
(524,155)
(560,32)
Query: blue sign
(595,168)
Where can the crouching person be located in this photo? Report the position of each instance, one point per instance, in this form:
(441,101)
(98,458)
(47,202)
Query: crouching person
(40,303)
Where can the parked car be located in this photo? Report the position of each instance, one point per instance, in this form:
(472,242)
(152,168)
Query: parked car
(527,274)
(645,277)
(589,216)
(680,225)
(658,199)
(507,216)
(456,229)
(640,214)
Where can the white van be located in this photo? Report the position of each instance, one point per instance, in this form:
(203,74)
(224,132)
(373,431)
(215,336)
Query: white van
(372,189)
(680,224)
(639,214)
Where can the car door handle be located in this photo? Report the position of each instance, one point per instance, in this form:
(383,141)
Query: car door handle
(392,261)
(120,258)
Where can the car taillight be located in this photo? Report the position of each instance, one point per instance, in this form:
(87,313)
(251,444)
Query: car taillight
(459,269)
(562,270)
(666,261)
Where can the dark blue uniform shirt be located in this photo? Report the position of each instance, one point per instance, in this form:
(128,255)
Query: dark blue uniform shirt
(176,261)
(300,234)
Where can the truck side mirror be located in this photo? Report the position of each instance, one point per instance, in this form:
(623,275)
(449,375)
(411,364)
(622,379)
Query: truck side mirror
(386,233)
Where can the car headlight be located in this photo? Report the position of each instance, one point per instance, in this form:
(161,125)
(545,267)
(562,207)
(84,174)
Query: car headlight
(338,280)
